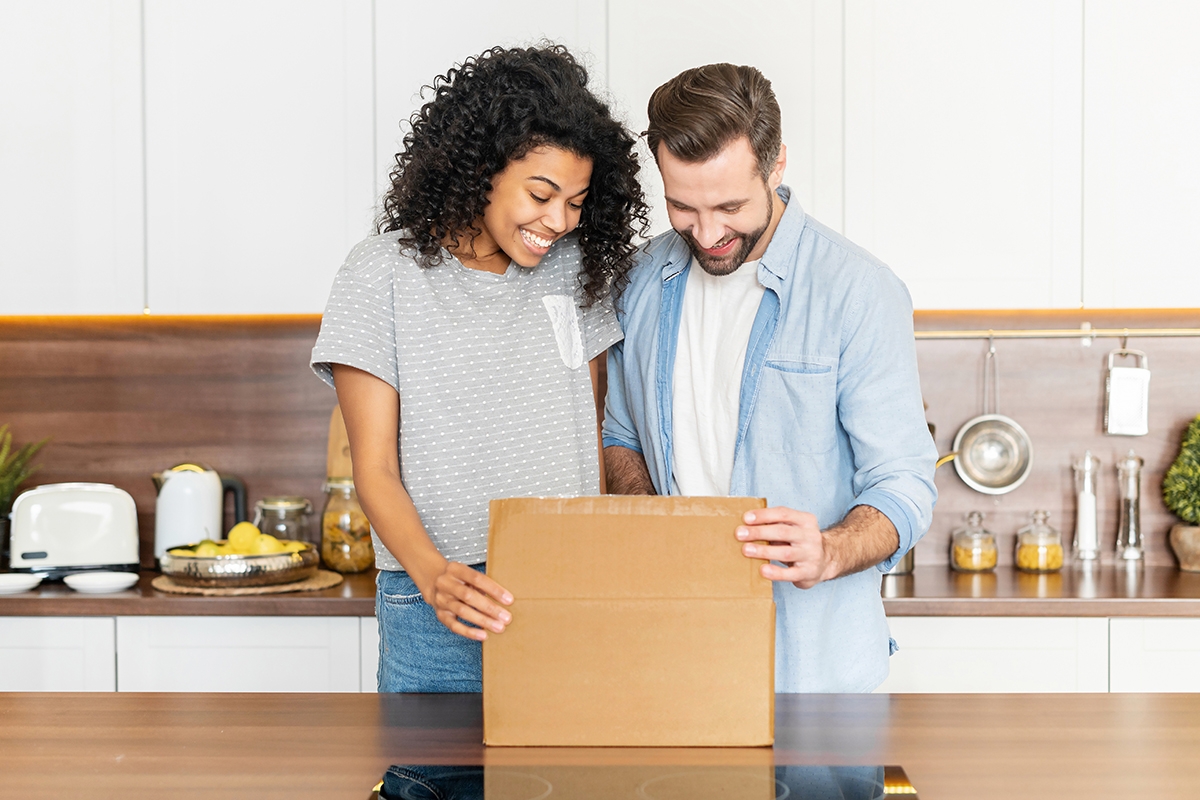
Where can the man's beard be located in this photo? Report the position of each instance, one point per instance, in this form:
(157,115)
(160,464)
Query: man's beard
(726,265)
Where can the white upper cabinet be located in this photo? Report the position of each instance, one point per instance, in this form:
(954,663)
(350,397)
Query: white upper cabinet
(416,42)
(1141,180)
(259,125)
(70,157)
(797,45)
(963,147)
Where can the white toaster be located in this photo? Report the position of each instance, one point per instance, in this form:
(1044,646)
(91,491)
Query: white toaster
(60,528)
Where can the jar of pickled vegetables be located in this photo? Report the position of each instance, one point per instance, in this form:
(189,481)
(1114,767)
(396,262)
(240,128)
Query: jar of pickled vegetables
(973,548)
(345,531)
(1039,547)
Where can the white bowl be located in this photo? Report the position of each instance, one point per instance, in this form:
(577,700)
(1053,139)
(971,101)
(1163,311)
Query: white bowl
(16,582)
(100,582)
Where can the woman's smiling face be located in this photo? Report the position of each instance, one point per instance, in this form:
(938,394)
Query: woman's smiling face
(534,201)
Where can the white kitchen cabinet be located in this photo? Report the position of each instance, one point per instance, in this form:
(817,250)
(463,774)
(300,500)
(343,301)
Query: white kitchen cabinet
(998,654)
(71,201)
(1141,182)
(369,636)
(259,125)
(57,654)
(414,43)
(1154,655)
(797,45)
(238,654)
(963,147)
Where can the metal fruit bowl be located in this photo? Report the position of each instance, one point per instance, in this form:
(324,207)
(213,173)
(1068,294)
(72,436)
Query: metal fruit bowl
(233,570)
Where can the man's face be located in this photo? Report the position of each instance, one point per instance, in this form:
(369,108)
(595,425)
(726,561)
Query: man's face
(721,207)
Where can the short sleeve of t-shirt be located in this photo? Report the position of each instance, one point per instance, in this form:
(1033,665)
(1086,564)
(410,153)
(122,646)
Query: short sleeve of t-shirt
(599,328)
(358,328)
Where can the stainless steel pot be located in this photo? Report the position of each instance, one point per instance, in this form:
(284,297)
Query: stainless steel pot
(992,453)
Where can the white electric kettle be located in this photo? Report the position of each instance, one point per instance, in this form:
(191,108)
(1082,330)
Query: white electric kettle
(191,505)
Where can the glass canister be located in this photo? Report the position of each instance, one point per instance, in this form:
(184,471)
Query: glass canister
(1129,520)
(1039,547)
(287,517)
(973,548)
(345,531)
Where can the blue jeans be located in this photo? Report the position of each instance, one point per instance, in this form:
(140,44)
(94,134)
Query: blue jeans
(417,653)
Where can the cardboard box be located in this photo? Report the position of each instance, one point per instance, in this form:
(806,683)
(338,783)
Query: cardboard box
(637,621)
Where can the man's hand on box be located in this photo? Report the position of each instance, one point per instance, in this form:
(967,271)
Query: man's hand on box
(791,538)
(462,594)
(809,555)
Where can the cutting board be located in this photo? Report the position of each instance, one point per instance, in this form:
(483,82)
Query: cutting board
(337,459)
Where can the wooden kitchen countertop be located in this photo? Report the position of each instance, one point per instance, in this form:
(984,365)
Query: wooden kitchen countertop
(1107,592)
(353,597)
(929,591)
(338,746)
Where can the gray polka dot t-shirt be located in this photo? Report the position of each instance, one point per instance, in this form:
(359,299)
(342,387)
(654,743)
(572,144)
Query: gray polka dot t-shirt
(492,373)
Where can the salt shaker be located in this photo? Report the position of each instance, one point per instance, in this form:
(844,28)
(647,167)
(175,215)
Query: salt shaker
(1087,540)
(1129,526)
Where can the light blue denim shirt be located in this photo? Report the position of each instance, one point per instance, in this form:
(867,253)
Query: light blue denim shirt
(830,417)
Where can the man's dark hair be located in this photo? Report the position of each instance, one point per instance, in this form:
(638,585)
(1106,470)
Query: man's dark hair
(699,111)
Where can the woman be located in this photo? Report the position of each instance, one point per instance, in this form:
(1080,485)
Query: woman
(464,332)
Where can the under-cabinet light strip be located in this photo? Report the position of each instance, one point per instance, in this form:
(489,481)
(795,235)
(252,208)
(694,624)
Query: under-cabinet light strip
(1067,333)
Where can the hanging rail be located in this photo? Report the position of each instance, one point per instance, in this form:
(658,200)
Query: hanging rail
(1083,332)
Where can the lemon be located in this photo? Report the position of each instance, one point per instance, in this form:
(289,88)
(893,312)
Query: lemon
(292,546)
(208,549)
(266,544)
(242,537)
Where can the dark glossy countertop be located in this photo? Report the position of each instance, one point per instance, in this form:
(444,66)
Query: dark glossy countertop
(952,747)
(929,591)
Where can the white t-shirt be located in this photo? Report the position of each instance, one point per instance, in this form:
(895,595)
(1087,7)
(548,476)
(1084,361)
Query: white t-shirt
(718,313)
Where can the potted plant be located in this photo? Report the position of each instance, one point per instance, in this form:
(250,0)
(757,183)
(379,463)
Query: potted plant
(14,470)
(1181,493)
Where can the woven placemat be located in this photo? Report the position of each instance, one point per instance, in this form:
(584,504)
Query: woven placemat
(324,579)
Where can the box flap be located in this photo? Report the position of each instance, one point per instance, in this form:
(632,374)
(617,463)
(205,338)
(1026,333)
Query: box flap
(543,548)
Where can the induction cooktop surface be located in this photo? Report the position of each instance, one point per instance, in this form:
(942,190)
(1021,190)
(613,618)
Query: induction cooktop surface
(643,782)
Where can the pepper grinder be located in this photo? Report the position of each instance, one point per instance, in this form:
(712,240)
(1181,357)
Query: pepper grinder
(1129,526)
(1087,542)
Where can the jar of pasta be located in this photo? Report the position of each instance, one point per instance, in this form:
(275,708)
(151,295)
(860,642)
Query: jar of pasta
(1039,547)
(345,531)
(973,548)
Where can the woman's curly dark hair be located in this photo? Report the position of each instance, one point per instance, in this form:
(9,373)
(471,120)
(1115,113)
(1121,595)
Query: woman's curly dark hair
(496,107)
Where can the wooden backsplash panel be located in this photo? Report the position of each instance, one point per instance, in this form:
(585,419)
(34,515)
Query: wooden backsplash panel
(1054,388)
(123,397)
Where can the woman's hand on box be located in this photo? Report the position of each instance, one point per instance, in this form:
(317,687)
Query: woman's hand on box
(461,594)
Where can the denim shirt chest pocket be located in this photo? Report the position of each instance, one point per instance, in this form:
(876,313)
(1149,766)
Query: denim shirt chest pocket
(796,410)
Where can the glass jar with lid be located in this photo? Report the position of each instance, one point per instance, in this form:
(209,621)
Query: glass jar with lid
(973,548)
(1039,547)
(345,532)
(287,517)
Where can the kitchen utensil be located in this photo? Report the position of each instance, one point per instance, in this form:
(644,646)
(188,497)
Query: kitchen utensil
(1087,540)
(1127,395)
(100,582)
(17,582)
(216,571)
(345,532)
(991,453)
(286,518)
(1129,522)
(191,505)
(59,528)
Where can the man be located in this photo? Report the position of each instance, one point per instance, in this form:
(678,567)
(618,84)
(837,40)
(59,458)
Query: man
(765,355)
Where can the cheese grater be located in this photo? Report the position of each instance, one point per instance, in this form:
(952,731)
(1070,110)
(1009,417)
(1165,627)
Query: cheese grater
(1127,396)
